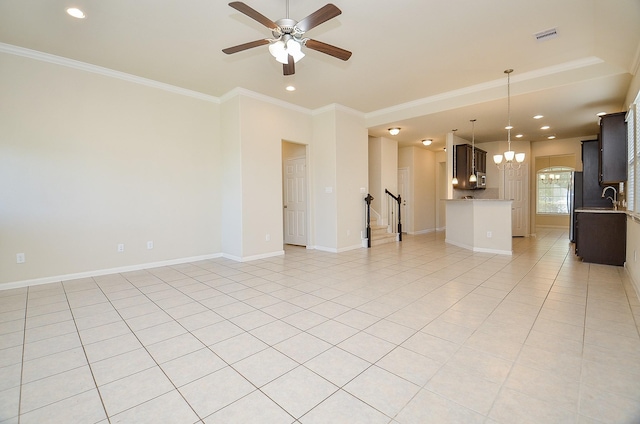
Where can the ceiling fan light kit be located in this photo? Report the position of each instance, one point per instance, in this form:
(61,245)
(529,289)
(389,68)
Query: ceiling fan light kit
(288,36)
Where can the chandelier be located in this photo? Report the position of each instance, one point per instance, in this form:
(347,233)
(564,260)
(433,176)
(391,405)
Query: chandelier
(509,155)
(549,178)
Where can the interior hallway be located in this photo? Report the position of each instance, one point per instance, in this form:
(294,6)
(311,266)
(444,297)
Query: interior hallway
(417,332)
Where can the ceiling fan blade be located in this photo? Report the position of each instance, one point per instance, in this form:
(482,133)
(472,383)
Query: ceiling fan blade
(289,68)
(245,46)
(328,49)
(321,15)
(253,14)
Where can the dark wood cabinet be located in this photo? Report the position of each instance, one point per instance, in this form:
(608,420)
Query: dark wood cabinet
(613,148)
(591,188)
(601,238)
(464,165)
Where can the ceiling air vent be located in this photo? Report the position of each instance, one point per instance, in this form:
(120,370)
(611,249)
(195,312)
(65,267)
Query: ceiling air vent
(547,34)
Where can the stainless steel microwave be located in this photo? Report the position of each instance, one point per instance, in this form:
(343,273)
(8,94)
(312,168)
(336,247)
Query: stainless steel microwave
(482,180)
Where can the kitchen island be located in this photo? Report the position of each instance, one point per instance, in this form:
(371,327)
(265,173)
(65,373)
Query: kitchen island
(481,225)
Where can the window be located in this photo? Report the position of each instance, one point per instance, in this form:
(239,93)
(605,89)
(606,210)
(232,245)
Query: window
(553,190)
(631,156)
(632,189)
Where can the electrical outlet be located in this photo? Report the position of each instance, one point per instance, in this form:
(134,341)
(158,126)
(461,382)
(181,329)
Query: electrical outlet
(20,258)
(267,237)
(121,247)
(489,234)
(149,245)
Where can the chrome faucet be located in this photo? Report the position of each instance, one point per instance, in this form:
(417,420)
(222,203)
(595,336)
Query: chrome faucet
(614,200)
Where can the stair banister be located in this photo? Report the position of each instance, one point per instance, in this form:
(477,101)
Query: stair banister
(368,200)
(398,199)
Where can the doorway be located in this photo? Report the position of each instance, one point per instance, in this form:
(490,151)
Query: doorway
(516,188)
(294,193)
(403,192)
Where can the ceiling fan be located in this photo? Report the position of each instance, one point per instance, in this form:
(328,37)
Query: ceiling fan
(288,36)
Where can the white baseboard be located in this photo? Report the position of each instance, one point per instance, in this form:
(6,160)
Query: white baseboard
(415,233)
(99,272)
(480,249)
(253,257)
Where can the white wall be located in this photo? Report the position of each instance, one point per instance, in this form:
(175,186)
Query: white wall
(323,195)
(88,162)
(263,127)
(352,177)
(231,174)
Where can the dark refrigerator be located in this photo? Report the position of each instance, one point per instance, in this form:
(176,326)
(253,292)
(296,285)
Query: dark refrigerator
(575,202)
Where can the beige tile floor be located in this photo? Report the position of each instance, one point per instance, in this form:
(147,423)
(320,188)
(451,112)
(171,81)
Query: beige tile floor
(417,332)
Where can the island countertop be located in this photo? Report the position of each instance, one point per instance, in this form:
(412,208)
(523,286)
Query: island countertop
(599,210)
(481,225)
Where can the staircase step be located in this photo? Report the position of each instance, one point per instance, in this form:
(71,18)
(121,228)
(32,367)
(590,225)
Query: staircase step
(387,238)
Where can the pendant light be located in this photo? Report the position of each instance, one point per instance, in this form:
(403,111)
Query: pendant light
(472,177)
(454,181)
(509,155)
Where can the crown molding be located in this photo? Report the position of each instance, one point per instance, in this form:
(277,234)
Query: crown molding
(239,91)
(87,67)
(465,91)
(336,107)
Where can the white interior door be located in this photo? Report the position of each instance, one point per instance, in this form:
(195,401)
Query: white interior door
(403,192)
(295,201)
(517,189)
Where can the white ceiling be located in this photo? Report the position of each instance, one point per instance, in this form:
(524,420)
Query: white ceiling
(427,66)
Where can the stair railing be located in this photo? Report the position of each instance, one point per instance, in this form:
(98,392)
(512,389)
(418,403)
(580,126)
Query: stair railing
(368,201)
(398,200)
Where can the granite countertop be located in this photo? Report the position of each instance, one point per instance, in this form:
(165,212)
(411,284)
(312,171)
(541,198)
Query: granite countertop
(600,210)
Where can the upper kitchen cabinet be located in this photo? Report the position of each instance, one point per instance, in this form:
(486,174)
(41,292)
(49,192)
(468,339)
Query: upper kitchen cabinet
(613,148)
(463,159)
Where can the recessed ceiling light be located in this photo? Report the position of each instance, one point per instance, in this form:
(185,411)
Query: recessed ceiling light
(290,88)
(427,142)
(76,13)
(551,137)
(545,127)
(538,117)
(601,113)
(518,135)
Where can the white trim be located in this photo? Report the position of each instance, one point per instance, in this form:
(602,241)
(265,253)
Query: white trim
(253,257)
(87,67)
(465,91)
(346,249)
(429,230)
(479,249)
(494,251)
(239,91)
(96,273)
(338,107)
(326,249)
